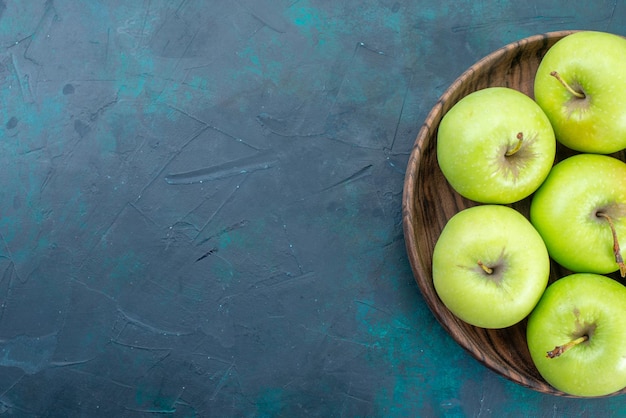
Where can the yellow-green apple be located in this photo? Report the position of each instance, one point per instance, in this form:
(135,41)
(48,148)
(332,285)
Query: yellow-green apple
(580,211)
(490,266)
(581,85)
(495,145)
(577,335)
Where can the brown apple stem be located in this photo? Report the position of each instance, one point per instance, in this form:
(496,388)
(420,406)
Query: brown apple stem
(487,269)
(520,139)
(616,248)
(560,349)
(575,93)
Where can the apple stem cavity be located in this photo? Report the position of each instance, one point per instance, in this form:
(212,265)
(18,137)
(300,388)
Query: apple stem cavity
(560,349)
(579,94)
(518,146)
(616,248)
(486,268)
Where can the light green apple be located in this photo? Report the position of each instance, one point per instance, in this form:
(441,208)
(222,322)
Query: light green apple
(577,335)
(581,85)
(490,266)
(495,145)
(578,209)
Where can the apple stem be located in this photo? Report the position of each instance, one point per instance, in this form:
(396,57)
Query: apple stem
(575,93)
(616,248)
(560,349)
(487,269)
(520,139)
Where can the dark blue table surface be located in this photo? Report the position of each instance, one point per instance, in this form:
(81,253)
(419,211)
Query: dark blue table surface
(200,206)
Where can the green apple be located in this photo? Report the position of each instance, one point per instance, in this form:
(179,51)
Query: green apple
(490,266)
(581,86)
(577,335)
(580,211)
(495,145)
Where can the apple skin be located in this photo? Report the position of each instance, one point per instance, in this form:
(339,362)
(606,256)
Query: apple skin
(478,130)
(594,62)
(499,237)
(564,209)
(575,305)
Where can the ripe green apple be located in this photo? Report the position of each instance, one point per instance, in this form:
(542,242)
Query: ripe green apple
(580,211)
(490,266)
(581,85)
(577,335)
(495,145)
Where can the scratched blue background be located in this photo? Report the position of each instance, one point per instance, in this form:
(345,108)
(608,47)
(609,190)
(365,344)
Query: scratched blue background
(142,273)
